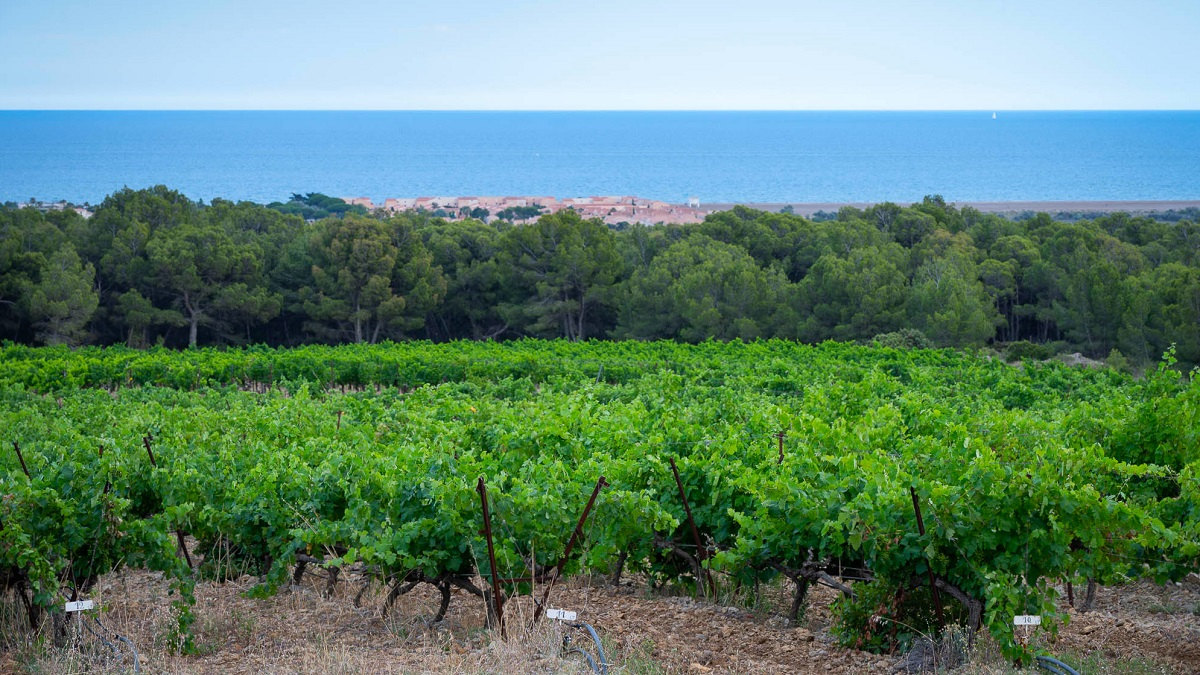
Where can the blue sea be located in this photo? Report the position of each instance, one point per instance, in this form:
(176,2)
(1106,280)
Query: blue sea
(265,156)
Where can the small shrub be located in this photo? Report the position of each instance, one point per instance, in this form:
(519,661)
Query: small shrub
(1118,361)
(1023,350)
(905,338)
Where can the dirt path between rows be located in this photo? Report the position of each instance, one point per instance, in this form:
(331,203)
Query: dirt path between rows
(301,630)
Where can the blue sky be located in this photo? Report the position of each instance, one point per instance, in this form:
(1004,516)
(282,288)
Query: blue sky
(616,54)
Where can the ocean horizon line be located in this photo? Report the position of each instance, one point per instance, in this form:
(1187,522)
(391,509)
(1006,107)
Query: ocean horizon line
(614,110)
(670,155)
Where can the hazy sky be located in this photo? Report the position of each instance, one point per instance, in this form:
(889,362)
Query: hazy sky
(607,54)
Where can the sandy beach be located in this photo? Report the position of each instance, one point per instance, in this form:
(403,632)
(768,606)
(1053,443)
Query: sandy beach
(1134,207)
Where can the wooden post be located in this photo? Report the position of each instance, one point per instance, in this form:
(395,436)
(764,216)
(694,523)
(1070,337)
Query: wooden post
(21,458)
(937,598)
(562,560)
(497,593)
(700,550)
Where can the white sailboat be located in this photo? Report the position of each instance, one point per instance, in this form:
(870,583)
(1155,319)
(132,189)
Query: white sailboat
(993,115)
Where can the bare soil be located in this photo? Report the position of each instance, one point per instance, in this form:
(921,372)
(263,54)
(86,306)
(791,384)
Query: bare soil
(1145,619)
(302,630)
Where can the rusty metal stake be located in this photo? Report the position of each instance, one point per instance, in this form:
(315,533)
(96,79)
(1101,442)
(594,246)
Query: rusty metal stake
(700,550)
(146,442)
(780,436)
(562,560)
(22,458)
(107,483)
(937,598)
(497,593)
(178,533)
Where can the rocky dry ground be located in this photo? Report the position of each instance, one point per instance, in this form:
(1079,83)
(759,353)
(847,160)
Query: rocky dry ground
(1142,628)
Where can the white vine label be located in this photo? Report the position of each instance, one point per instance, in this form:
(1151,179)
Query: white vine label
(561,614)
(80,606)
(1027,620)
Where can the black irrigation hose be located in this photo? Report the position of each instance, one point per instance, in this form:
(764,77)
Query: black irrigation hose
(101,638)
(591,662)
(602,666)
(1053,665)
(137,666)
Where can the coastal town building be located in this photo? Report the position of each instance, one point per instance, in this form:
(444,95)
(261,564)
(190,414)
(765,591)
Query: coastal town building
(61,205)
(612,210)
(398,205)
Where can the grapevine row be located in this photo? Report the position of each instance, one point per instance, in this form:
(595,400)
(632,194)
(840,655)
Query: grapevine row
(1025,477)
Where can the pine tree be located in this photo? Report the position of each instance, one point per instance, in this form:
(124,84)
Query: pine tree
(64,299)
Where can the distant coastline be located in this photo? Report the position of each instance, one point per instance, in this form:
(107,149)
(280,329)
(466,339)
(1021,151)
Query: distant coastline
(618,210)
(1132,207)
(614,210)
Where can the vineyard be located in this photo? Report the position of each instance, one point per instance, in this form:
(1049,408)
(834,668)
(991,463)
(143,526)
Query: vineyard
(928,487)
